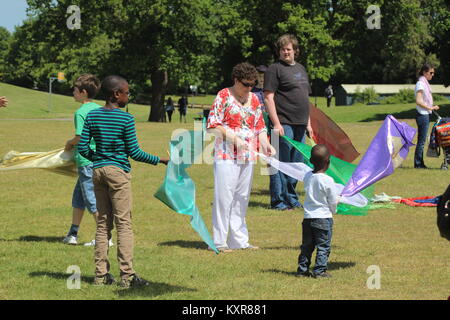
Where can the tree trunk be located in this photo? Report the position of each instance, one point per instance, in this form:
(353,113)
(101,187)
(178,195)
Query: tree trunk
(159,86)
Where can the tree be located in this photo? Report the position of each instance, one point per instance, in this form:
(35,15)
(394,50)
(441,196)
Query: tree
(5,38)
(439,26)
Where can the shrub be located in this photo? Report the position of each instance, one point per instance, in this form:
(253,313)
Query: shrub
(403,96)
(439,97)
(368,95)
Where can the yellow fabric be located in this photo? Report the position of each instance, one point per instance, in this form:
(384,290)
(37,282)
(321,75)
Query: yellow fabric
(57,161)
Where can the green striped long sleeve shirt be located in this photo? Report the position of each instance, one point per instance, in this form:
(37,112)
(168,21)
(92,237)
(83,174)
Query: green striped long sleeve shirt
(114,133)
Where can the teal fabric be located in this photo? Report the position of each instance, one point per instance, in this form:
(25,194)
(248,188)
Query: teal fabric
(178,189)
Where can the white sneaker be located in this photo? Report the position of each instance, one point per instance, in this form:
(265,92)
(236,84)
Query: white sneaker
(92,243)
(70,240)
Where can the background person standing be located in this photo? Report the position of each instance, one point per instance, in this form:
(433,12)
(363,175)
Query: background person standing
(329,94)
(286,91)
(424,107)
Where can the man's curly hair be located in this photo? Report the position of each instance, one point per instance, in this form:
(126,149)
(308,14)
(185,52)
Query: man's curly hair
(244,71)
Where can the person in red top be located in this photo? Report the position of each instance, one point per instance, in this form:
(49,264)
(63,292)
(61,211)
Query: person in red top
(237,121)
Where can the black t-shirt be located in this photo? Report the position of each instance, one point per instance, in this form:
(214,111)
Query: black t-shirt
(290,84)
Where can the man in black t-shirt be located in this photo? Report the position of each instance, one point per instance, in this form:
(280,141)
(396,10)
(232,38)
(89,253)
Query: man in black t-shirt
(286,91)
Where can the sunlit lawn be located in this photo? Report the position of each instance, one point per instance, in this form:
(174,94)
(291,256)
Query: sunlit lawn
(36,213)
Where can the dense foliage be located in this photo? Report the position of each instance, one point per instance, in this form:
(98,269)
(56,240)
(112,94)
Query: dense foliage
(166,45)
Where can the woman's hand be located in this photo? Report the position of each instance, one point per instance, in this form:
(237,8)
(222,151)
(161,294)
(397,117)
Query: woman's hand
(279,130)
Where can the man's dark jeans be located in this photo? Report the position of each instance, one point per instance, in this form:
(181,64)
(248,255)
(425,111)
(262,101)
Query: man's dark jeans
(316,233)
(282,187)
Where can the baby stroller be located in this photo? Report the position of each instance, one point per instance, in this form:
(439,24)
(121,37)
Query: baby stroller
(440,139)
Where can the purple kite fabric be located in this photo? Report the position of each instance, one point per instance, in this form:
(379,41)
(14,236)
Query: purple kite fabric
(386,152)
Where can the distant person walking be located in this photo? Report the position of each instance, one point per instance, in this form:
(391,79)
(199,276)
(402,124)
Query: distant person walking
(424,107)
(3,102)
(169,108)
(329,95)
(182,107)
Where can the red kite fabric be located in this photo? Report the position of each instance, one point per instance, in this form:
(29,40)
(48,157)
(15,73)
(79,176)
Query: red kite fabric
(419,201)
(327,132)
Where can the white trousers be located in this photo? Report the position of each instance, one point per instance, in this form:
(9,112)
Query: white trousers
(232,185)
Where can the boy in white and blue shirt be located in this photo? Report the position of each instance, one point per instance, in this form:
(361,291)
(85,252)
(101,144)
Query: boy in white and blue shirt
(320,204)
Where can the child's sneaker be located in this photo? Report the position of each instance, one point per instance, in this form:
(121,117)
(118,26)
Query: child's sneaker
(70,240)
(92,243)
(322,275)
(107,279)
(133,281)
(305,274)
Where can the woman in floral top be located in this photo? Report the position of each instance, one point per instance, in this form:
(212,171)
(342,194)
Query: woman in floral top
(237,121)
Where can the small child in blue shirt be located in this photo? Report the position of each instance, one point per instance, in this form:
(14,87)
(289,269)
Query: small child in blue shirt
(320,204)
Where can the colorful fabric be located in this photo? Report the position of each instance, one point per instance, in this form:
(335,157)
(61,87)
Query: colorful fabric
(443,133)
(78,119)
(114,133)
(419,201)
(386,152)
(178,189)
(246,122)
(340,171)
(58,161)
(298,170)
(327,132)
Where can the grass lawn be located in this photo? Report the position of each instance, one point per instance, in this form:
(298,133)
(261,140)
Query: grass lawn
(36,213)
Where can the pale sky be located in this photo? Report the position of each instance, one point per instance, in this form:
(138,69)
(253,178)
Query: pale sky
(12,13)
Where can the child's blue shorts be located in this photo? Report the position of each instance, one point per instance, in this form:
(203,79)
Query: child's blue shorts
(83,195)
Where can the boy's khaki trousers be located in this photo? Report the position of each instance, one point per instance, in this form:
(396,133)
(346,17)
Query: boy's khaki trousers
(112,187)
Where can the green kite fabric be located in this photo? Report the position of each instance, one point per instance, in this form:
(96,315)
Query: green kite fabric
(341,172)
(178,189)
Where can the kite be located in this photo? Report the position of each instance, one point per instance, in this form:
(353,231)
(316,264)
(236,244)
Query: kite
(386,152)
(178,189)
(340,171)
(327,132)
(297,170)
(57,161)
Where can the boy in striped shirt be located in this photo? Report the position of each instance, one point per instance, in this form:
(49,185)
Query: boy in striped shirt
(114,133)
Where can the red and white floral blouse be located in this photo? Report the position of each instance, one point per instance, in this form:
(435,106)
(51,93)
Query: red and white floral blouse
(247,122)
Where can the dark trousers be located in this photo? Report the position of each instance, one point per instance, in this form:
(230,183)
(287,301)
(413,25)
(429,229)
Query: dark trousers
(316,233)
(329,101)
(169,115)
(423,122)
(282,186)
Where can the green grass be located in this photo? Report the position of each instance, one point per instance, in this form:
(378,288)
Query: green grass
(36,213)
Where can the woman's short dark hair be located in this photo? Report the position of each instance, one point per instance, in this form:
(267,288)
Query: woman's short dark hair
(88,82)
(244,71)
(425,68)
